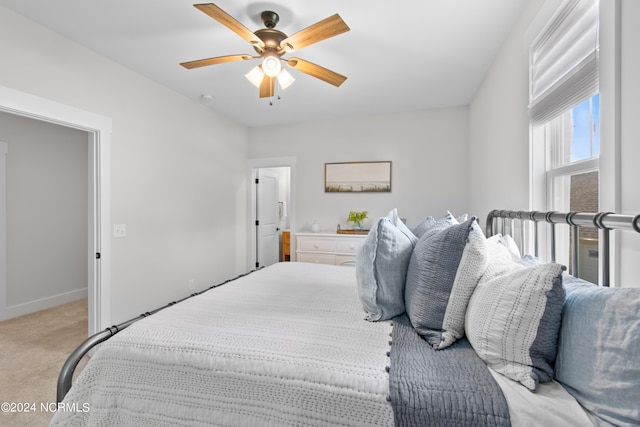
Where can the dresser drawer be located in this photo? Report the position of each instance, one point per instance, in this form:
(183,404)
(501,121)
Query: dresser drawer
(346,260)
(328,248)
(316,244)
(317,258)
(348,246)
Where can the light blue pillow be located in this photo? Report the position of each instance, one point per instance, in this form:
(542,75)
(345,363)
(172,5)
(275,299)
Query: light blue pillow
(381,269)
(599,350)
(443,272)
(395,220)
(513,318)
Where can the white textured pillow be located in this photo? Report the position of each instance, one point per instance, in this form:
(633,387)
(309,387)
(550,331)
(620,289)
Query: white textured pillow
(514,316)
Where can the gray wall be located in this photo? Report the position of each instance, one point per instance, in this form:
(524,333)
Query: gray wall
(47,167)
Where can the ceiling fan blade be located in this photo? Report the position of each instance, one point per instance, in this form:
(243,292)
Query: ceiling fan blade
(329,27)
(213,61)
(317,71)
(267,87)
(230,22)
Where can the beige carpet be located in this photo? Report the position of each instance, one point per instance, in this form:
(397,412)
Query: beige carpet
(32,351)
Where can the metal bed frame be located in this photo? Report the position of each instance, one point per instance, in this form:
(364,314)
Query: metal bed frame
(497,221)
(605,222)
(65,377)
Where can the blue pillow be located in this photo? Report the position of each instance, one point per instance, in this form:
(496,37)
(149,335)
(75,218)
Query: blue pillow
(599,350)
(444,269)
(381,269)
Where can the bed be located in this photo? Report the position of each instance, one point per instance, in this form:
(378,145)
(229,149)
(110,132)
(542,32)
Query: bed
(289,345)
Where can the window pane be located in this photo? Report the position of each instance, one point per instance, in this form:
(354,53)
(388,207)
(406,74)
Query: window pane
(596,125)
(574,136)
(577,193)
(585,140)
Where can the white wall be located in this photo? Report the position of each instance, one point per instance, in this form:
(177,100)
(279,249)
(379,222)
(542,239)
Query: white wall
(499,126)
(428,151)
(46,214)
(178,168)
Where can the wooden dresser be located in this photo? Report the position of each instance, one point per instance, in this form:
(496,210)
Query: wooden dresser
(286,246)
(328,248)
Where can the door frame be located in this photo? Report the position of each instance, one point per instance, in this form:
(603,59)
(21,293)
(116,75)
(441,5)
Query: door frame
(99,209)
(264,214)
(252,167)
(4,148)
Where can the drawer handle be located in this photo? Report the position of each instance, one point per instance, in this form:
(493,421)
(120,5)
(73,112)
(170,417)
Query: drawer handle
(315,245)
(352,246)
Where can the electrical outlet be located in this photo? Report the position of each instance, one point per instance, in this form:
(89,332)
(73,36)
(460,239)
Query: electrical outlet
(192,285)
(119,230)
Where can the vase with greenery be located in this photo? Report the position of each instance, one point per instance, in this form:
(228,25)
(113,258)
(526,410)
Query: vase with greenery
(356,218)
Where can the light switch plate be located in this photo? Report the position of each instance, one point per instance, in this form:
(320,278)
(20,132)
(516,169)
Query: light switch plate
(119,230)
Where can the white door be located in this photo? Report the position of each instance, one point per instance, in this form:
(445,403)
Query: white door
(3,229)
(268,240)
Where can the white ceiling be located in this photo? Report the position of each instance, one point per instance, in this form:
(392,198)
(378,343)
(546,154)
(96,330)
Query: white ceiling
(399,56)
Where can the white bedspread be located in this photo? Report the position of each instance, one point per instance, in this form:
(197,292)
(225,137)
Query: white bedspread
(286,345)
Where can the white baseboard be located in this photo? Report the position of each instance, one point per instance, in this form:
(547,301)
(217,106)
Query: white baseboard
(44,303)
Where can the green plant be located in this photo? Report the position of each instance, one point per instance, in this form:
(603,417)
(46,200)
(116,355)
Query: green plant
(356,217)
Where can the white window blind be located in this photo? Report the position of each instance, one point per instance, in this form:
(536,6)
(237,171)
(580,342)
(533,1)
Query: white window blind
(564,61)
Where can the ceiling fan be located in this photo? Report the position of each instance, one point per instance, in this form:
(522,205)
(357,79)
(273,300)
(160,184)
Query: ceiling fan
(271,45)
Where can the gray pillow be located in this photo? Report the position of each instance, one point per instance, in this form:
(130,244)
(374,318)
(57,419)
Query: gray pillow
(514,316)
(381,269)
(598,350)
(432,225)
(443,271)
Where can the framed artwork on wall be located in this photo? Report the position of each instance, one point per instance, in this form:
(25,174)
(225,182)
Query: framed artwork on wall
(357,177)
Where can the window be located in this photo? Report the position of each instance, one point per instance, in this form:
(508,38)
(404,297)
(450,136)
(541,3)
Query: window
(573,145)
(564,112)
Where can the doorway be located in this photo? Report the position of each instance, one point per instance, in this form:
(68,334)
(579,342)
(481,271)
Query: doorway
(45,214)
(98,130)
(271,209)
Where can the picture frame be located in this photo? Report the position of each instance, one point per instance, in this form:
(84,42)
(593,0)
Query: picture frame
(357,177)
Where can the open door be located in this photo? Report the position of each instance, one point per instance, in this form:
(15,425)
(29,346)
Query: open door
(267,237)
(275,210)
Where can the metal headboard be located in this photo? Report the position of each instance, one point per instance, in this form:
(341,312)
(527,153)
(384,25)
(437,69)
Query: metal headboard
(497,221)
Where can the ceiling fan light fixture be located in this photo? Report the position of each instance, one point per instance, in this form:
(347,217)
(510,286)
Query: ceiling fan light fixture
(285,79)
(255,76)
(271,65)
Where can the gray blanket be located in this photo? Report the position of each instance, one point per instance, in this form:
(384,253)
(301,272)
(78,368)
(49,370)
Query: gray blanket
(449,387)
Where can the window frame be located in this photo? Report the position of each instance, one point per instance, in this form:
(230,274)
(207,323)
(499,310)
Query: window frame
(610,18)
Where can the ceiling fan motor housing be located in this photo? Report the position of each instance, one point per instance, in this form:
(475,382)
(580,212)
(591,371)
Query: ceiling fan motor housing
(269,18)
(269,35)
(271,38)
